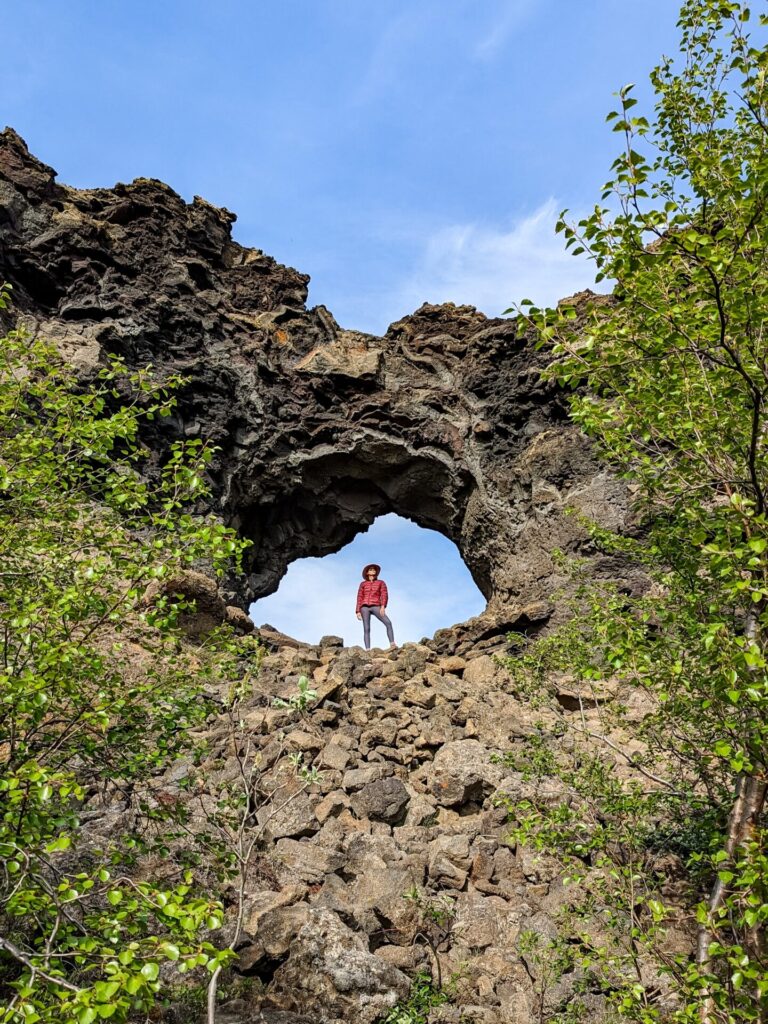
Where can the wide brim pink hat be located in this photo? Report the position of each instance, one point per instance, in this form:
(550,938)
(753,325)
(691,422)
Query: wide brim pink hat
(371,566)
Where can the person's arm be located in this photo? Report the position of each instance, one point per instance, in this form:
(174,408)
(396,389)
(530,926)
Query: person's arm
(383,595)
(359,604)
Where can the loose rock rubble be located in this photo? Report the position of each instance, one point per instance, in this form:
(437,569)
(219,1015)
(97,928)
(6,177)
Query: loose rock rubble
(397,858)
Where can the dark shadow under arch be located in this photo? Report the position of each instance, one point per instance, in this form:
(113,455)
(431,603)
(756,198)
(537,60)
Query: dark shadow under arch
(340,494)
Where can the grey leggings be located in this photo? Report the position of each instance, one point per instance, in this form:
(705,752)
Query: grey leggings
(367,611)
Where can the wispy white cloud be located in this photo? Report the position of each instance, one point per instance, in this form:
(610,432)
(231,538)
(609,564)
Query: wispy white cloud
(404,40)
(511,14)
(492,268)
(396,44)
(312,602)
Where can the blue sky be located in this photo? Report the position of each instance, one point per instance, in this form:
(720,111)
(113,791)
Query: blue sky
(397,152)
(429,587)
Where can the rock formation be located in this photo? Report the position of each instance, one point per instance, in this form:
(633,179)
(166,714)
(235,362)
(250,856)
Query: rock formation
(395,855)
(443,420)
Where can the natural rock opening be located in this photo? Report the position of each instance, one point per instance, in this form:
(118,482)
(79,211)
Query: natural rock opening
(335,495)
(444,420)
(429,587)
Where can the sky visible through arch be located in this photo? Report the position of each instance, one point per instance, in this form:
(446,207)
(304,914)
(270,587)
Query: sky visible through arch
(429,587)
(398,152)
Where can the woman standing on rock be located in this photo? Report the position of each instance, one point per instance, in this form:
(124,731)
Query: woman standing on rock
(372,597)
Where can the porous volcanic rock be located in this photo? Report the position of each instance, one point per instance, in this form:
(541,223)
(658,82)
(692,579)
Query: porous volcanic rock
(444,420)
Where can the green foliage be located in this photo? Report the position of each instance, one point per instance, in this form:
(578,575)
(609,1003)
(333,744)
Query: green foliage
(96,695)
(549,961)
(300,701)
(310,774)
(186,1001)
(423,997)
(435,913)
(670,379)
(437,909)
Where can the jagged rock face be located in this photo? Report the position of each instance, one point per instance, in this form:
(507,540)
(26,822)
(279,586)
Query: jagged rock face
(443,420)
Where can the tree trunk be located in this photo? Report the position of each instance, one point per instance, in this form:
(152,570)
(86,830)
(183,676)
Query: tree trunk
(742,820)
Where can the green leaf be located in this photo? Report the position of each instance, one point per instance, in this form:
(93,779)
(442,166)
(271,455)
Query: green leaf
(150,971)
(105,990)
(134,984)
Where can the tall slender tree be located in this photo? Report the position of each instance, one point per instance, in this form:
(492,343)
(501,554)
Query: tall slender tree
(670,379)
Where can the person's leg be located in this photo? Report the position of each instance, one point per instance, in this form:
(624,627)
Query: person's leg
(383,617)
(365,611)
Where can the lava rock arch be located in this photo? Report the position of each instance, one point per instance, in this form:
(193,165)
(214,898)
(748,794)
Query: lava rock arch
(444,419)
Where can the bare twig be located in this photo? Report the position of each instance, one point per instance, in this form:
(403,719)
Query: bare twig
(17,954)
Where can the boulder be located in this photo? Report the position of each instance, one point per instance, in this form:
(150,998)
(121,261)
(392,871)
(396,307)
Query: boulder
(294,817)
(239,620)
(307,861)
(331,804)
(480,674)
(381,800)
(208,609)
(265,903)
(452,663)
(331,974)
(449,861)
(461,772)
(482,921)
(356,778)
(276,932)
(331,642)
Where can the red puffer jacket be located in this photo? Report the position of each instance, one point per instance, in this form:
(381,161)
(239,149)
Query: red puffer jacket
(371,592)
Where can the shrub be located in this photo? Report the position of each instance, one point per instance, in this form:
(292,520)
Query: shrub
(96,694)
